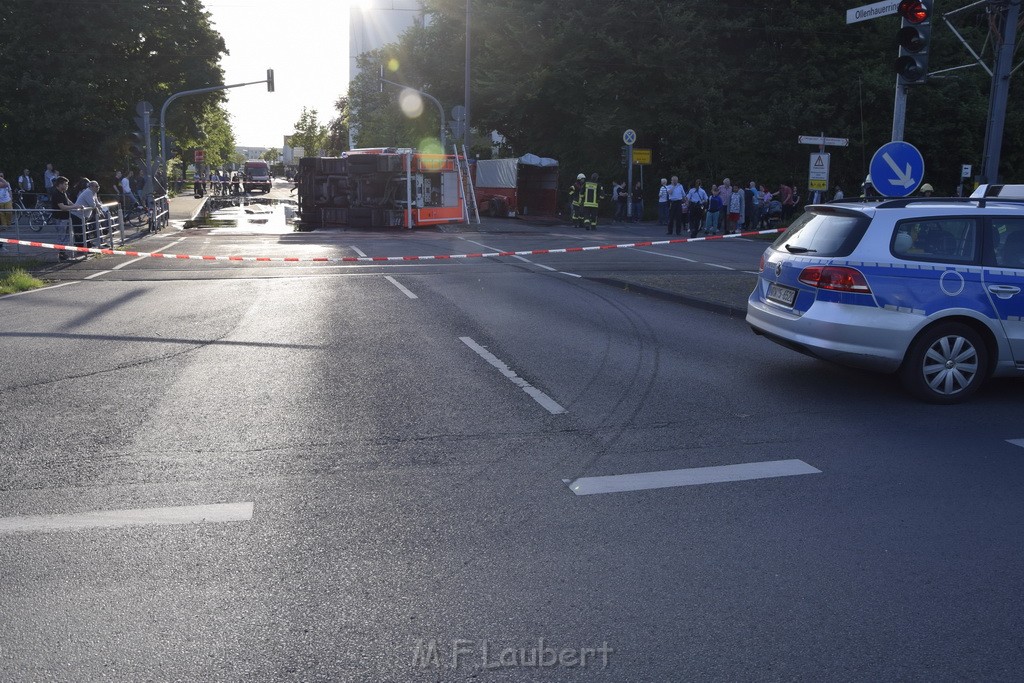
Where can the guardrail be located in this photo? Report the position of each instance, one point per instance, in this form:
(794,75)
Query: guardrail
(104,228)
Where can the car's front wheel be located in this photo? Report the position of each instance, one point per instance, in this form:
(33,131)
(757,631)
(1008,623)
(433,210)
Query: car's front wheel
(946,364)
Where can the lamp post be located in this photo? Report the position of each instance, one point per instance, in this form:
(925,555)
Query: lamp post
(465,132)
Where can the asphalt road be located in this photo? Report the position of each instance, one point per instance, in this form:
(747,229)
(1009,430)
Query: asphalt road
(396,452)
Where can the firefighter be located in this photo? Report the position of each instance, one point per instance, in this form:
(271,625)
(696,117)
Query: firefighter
(592,192)
(576,200)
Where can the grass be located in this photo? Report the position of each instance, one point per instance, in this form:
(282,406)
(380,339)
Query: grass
(16,279)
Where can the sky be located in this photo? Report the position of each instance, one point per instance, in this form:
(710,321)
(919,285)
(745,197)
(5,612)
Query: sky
(304,41)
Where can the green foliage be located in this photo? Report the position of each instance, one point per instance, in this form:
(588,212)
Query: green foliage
(16,279)
(715,87)
(310,134)
(73,75)
(272,155)
(337,129)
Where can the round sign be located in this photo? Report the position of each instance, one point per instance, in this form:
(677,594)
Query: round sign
(896,169)
(629,137)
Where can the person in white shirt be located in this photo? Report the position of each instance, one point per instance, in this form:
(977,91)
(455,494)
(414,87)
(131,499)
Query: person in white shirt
(49,175)
(91,211)
(663,202)
(698,201)
(126,191)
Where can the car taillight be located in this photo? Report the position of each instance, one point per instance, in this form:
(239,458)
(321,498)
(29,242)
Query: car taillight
(836,278)
(760,266)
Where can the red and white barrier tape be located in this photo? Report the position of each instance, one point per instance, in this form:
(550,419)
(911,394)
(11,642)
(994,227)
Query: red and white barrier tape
(381,259)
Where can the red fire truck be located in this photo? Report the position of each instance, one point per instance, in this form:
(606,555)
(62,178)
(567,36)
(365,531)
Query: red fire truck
(383,187)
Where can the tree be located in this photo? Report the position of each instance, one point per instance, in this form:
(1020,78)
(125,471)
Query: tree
(714,87)
(310,134)
(337,129)
(70,86)
(272,155)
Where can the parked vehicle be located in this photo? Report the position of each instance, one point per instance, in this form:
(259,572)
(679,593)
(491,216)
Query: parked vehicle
(929,288)
(256,176)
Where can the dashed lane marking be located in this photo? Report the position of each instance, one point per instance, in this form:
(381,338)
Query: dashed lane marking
(1016,442)
(536,394)
(402,288)
(188,514)
(618,483)
(359,252)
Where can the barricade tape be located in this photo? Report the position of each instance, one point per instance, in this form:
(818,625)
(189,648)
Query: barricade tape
(382,259)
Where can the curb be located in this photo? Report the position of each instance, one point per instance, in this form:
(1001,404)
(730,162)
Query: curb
(665,295)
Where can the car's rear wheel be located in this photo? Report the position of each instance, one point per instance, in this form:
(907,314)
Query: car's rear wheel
(947,364)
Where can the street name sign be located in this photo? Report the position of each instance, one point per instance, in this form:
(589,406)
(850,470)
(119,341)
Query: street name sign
(896,169)
(818,172)
(873,11)
(820,140)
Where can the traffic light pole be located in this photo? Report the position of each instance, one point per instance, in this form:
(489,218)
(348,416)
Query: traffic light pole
(1000,93)
(200,91)
(899,111)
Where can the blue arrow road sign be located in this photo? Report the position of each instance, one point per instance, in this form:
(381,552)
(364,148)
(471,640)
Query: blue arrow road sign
(896,169)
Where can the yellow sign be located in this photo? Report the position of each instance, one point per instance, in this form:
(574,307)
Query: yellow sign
(817,184)
(641,157)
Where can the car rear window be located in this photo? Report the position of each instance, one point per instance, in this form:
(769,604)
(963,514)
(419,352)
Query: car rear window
(824,232)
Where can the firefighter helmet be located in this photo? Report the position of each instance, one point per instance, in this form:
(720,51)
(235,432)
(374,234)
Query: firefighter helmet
(581,176)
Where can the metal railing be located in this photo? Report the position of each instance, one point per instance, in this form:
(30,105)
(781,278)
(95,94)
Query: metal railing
(109,227)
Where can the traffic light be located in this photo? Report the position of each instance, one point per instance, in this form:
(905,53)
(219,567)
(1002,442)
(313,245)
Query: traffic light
(914,37)
(270,80)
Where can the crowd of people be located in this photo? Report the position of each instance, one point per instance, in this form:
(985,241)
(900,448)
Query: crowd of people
(724,208)
(77,207)
(218,183)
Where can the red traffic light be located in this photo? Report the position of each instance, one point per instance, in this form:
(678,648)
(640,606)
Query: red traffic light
(914,11)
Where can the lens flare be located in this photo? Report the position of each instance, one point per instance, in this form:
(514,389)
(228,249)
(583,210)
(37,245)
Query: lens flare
(411,103)
(430,146)
(392,65)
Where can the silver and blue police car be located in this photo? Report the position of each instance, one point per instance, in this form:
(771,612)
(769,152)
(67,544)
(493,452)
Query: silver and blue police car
(928,288)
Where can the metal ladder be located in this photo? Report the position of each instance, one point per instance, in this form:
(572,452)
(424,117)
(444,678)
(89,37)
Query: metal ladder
(467,183)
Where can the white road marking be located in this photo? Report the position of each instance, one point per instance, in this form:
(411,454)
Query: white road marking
(1016,442)
(562,272)
(681,258)
(715,265)
(119,266)
(640,481)
(102,272)
(41,289)
(401,287)
(539,265)
(359,252)
(188,514)
(536,394)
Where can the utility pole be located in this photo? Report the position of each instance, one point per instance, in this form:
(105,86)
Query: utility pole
(1000,93)
(465,133)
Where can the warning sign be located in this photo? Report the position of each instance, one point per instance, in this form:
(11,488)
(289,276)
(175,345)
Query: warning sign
(818,173)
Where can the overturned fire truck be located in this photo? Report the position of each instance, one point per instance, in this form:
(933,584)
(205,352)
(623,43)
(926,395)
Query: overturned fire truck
(383,187)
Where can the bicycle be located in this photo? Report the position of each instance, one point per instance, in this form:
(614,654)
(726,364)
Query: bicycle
(35,218)
(136,216)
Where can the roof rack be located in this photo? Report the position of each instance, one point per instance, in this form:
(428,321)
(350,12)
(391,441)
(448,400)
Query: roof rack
(902,202)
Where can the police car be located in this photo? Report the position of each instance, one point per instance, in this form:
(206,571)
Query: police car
(929,288)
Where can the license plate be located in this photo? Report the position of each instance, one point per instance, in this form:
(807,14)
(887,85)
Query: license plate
(781,295)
